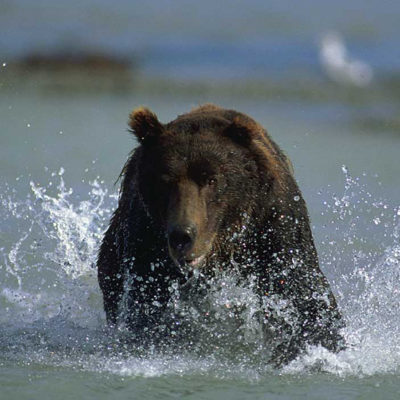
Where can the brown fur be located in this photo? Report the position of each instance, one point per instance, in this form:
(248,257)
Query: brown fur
(187,190)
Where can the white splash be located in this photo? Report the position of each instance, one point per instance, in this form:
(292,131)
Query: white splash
(51,309)
(50,269)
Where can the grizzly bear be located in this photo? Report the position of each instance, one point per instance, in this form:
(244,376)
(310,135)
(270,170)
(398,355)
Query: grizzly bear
(212,191)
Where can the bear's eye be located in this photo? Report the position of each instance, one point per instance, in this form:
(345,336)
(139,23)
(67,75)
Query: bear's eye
(211,181)
(165,178)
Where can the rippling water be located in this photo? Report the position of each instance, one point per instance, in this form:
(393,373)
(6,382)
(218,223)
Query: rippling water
(53,326)
(64,142)
(61,156)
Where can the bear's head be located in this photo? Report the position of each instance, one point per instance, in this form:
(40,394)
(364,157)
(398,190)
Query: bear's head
(198,178)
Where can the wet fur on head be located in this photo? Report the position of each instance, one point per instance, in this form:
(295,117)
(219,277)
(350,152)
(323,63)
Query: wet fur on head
(144,124)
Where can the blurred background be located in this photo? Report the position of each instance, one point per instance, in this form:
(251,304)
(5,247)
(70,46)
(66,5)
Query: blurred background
(323,77)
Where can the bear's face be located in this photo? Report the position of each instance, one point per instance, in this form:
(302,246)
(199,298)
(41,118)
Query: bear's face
(196,183)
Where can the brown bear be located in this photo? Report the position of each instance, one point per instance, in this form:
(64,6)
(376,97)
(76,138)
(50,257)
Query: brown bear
(210,191)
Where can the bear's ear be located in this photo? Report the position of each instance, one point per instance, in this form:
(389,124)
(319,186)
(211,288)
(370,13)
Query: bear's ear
(144,124)
(241,132)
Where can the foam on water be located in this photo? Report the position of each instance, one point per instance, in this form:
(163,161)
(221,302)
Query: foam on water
(51,307)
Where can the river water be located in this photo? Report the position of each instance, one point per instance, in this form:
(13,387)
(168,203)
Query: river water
(62,150)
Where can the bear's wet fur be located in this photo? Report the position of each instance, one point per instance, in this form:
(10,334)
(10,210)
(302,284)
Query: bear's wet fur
(207,191)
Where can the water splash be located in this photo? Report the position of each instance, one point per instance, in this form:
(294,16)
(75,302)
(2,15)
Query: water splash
(50,269)
(51,307)
(361,247)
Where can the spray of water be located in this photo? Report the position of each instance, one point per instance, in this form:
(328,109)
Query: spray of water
(51,306)
(48,258)
(361,245)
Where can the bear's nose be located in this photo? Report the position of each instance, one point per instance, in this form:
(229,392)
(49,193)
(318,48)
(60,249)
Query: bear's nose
(181,239)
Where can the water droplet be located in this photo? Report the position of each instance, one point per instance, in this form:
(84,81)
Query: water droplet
(344,169)
(296,198)
(377,221)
